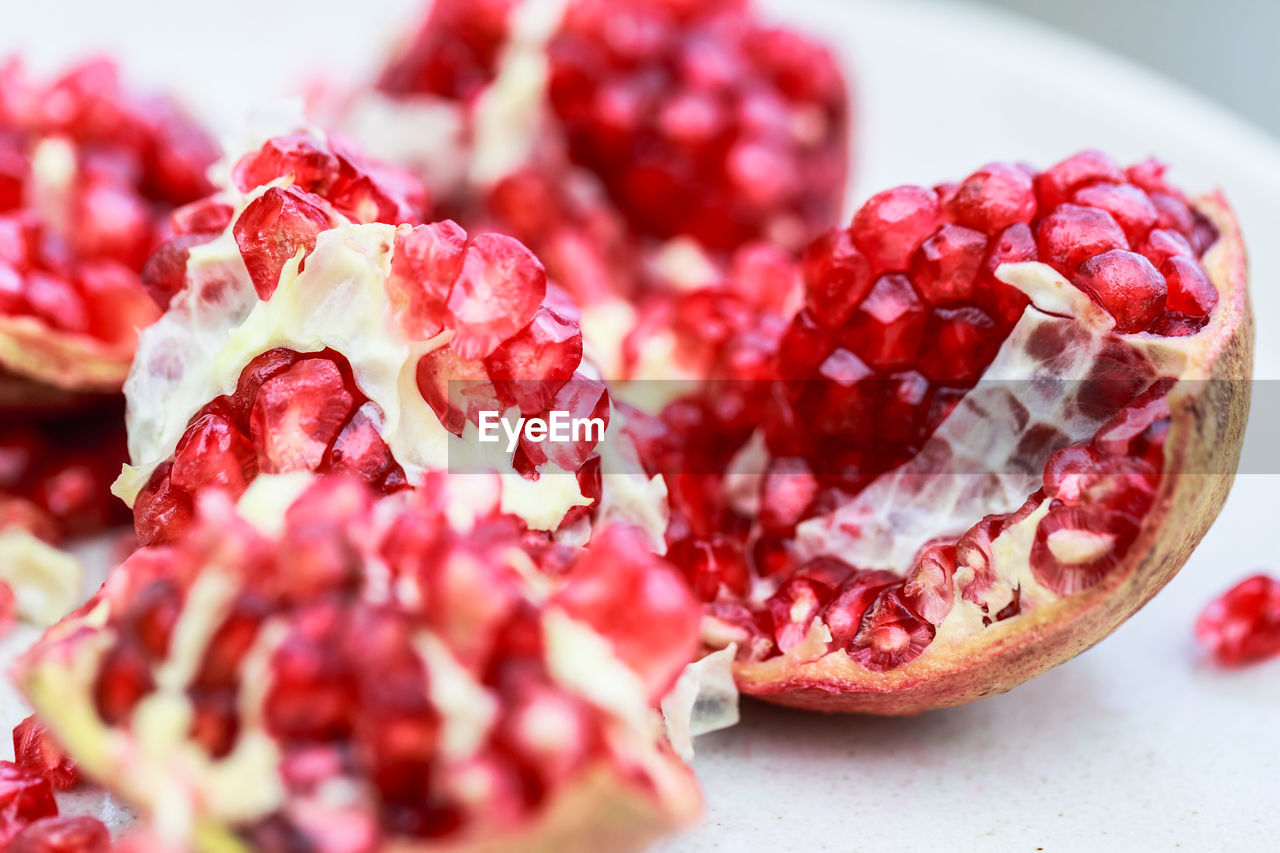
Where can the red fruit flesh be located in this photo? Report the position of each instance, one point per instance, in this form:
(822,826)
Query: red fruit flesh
(78,834)
(24,799)
(903,447)
(35,751)
(389,646)
(89,172)
(1243,625)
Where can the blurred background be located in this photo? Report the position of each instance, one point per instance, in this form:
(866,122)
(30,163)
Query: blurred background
(1225,50)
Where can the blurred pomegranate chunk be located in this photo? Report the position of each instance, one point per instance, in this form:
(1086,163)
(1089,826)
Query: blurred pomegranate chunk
(1243,626)
(78,834)
(35,751)
(24,798)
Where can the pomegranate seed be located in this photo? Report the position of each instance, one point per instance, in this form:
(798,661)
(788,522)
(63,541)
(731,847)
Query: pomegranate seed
(36,752)
(497,293)
(793,608)
(789,488)
(891,634)
(1126,285)
(230,642)
(273,228)
(298,156)
(456,388)
(892,225)
(426,263)
(927,589)
(1071,234)
(165,273)
(1075,547)
(1161,245)
(845,611)
(77,834)
(213,454)
(298,415)
(161,512)
(993,198)
(24,798)
(1190,291)
(207,216)
(533,365)
(123,679)
(837,277)
(1243,625)
(961,342)
(1056,184)
(888,326)
(1173,214)
(152,614)
(1128,206)
(947,264)
(359,449)
(265,366)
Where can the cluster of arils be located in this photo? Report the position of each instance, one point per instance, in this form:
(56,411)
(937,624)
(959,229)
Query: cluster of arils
(323,666)
(604,134)
(970,419)
(88,175)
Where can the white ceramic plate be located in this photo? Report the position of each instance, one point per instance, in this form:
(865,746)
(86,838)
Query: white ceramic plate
(1135,745)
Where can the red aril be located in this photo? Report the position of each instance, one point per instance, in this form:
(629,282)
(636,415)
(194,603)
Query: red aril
(35,751)
(78,834)
(24,798)
(1243,625)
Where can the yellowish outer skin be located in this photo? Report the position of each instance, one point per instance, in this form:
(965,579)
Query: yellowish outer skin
(1205,435)
(29,349)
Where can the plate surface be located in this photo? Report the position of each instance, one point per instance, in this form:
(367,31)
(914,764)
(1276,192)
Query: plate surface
(1135,745)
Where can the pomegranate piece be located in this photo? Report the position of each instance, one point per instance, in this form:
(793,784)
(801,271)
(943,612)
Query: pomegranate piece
(89,172)
(961,433)
(24,798)
(35,751)
(78,834)
(1243,625)
(468,320)
(410,647)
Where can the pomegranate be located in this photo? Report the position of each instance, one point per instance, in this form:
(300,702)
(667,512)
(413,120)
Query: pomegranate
(88,174)
(1243,625)
(1007,411)
(317,668)
(34,750)
(301,339)
(626,143)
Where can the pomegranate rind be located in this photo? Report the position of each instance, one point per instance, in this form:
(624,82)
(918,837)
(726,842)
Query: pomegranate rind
(632,789)
(1210,407)
(78,363)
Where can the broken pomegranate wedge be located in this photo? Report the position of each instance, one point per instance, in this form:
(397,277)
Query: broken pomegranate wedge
(301,339)
(1007,413)
(624,142)
(88,175)
(320,668)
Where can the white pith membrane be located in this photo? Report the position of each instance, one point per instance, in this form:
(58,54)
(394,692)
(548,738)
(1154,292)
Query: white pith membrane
(634,790)
(46,581)
(217,325)
(886,524)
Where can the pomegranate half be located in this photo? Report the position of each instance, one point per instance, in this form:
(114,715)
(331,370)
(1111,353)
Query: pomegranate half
(317,668)
(1007,412)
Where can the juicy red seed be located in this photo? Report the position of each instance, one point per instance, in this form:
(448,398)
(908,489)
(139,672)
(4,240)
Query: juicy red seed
(152,613)
(794,607)
(947,264)
(888,326)
(927,589)
(789,488)
(426,263)
(891,634)
(1127,204)
(165,273)
(532,366)
(803,347)
(298,415)
(263,367)
(1056,184)
(206,216)
(1190,290)
(1162,244)
(273,228)
(161,513)
(960,343)
(1126,285)
(1071,234)
(56,301)
(35,751)
(298,156)
(1075,547)
(214,723)
(25,797)
(1173,214)
(213,454)
(1066,469)
(1243,625)
(72,834)
(456,388)
(993,198)
(892,225)
(836,277)
(497,293)
(359,449)
(122,680)
(845,611)
(230,642)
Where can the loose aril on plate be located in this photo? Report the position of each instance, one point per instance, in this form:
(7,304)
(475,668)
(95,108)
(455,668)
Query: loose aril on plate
(1009,409)
(1243,625)
(321,668)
